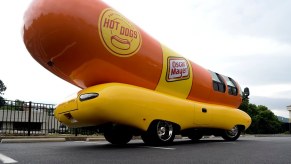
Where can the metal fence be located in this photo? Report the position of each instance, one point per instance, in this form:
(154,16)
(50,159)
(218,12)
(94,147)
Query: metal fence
(28,118)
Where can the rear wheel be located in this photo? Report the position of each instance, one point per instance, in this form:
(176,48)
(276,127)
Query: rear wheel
(118,134)
(231,135)
(159,133)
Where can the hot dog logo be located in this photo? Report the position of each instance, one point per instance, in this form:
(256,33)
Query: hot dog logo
(178,69)
(118,35)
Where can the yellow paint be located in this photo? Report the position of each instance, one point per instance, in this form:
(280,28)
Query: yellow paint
(138,107)
(171,85)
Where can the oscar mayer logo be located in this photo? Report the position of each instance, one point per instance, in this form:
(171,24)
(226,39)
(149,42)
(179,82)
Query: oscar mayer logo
(118,35)
(178,69)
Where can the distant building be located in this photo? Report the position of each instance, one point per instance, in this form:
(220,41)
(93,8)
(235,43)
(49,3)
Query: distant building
(17,117)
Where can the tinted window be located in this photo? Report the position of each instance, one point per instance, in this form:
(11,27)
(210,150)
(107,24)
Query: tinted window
(232,89)
(215,77)
(217,82)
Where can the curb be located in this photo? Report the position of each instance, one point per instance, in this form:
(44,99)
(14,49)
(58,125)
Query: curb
(272,135)
(95,139)
(32,140)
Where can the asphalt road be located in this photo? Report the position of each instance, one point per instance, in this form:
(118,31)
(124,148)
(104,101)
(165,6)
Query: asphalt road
(212,150)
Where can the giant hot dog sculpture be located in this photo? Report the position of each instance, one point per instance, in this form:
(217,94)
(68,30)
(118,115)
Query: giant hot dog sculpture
(132,84)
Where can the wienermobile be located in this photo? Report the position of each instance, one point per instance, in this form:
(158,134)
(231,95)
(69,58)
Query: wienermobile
(132,85)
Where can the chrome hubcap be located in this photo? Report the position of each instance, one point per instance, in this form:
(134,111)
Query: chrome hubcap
(164,130)
(233,132)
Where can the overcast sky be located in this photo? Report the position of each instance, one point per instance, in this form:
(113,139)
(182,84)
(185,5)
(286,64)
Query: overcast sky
(248,40)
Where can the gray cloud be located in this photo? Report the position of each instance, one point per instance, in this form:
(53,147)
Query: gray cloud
(261,18)
(271,103)
(260,69)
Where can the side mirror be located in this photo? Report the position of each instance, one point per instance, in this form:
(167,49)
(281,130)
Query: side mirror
(246,93)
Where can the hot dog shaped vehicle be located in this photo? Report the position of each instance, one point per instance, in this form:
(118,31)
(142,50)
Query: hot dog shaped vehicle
(131,84)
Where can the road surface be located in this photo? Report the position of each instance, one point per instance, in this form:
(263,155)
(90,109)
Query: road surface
(211,150)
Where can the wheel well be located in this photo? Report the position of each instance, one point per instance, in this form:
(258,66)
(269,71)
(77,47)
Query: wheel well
(241,127)
(176,126)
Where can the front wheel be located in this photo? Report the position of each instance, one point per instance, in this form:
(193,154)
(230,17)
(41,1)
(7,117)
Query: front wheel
(159,133)
(231,135)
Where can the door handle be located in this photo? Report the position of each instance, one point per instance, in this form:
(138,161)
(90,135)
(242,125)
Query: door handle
(204,110)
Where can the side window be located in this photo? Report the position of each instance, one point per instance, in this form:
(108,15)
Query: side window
(232,88)
(217,82)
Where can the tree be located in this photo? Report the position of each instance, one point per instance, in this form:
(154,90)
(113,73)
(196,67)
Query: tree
(2,89)
(19,105)
(263,120)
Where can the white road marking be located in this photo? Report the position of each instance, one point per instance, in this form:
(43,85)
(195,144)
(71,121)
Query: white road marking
(106,143)
(6,159)
(163,148)
(92,142)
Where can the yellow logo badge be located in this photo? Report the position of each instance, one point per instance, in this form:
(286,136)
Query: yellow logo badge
(118,35)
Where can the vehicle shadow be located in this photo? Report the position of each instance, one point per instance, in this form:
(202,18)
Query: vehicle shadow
(138,144)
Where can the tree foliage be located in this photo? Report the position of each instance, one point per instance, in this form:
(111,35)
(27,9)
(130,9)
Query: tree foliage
(19,105)
(2,89)
(263,120)
(2,101)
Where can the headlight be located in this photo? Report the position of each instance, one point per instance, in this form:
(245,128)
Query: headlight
(88,96)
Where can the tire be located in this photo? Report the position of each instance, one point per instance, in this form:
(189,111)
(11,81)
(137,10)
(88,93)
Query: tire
(118,134)
(195,136)
(159,133)
(231,135)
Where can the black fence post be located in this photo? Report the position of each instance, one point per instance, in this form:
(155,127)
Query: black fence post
(29,118)
(76,131)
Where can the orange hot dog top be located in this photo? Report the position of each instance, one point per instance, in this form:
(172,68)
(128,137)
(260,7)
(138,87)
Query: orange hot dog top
(88,43)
